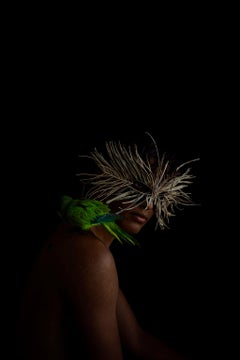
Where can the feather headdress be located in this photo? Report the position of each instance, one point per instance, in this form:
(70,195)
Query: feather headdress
(127,176)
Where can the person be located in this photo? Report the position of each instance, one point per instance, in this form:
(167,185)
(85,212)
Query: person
(72,306)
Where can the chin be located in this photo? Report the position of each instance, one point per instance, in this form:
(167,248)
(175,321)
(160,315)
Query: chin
(130,227)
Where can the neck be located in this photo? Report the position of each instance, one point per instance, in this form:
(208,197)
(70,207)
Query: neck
(102,235)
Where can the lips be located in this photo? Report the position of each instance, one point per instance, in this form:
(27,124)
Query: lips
(139,218)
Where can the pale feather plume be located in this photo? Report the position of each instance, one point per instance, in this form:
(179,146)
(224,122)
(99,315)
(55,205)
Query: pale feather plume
(125,175)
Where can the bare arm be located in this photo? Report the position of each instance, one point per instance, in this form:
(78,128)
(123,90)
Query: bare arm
(91,285)
(140,343)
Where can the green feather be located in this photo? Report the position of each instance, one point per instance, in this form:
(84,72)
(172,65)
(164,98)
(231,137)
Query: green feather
(86,213)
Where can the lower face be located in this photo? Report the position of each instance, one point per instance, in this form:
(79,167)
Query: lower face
(132,221)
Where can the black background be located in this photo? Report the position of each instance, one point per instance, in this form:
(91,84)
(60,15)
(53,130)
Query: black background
(68,92)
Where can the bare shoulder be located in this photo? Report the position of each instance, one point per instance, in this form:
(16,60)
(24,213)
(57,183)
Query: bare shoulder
(80,255)
(75,245)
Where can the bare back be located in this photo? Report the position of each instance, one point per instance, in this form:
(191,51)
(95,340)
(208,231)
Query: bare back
(69,303)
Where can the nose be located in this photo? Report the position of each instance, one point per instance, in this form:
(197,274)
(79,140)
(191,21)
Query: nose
(150,206)
(147,205)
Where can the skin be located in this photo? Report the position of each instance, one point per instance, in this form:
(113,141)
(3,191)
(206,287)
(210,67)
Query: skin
(73,290)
